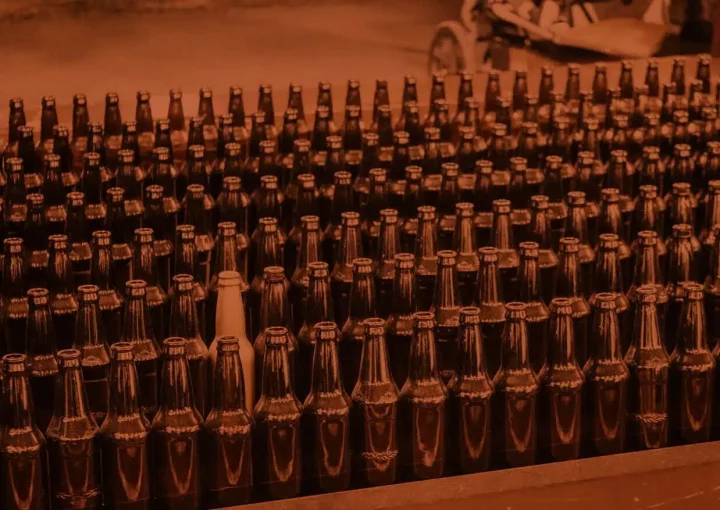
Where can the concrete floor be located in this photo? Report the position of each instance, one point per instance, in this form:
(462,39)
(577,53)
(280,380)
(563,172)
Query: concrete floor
(95,53)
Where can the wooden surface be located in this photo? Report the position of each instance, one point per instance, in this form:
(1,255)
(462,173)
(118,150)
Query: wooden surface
(679,478)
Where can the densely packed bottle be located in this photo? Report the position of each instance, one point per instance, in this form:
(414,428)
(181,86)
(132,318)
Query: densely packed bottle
(545,267)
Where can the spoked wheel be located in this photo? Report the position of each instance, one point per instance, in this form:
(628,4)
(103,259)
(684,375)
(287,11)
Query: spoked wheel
(446,52)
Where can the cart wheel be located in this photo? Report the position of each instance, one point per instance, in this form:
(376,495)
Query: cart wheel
(446,52)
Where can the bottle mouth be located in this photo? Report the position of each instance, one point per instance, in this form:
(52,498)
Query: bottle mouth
(122,351)
(276,335)
(14,363)
(228,343)
(68,358)
(228,278)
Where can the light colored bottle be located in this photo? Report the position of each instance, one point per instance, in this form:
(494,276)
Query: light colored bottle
(230,321)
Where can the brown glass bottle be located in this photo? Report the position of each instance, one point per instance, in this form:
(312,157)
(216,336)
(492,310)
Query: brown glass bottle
(227,445)
(561,389)
(514,405)
(469,400)
(502,239)
(23,455)
(14,197)
(711,290)
(131,179)
(649,215)
(446,310)
(16,119)
(110,301)
(31,163)
(569,285)
(398,327)
(530,293)
(273,311)
(408,211)
(145,267)
(539,231)
(707,232)
(14,297)
(137,331)
(124,437)
(304,204)
(55,194)
(421,407)
(198,212)
(184,323)
(80,131)
(156,221)
(36,233)
(608,279)
(308,252)
(611,221)
(63,302)
(426,260)
(649,272)
(326,418)
(121,237)
(384,262)
(606,383)
(72,438)
(682,267)
(225,258)
(349,248)
(362,306)
(79,237)
(318,308)
(464,244)
(40,351)
(649,364)
(92,186)
(175,436)
(691,380)
(277,450)
(268,251)
(374,413)
(489,298)
(89,340)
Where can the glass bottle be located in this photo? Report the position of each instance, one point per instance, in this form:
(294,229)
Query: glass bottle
(124,436)
(561,389)
(89,340)
(649,364)
(145,267)
(515,399)
(530,292)
(138,332)
(63,302)
(14,296)
(446,310)
(176,434)
(569,285)
(23,451)
(79,237)
(374,412)
(691,380)
(469,400)
(326,418)
(277,449)
(184,323)
(73,441)
(606,383)
(421,407)
(227,448)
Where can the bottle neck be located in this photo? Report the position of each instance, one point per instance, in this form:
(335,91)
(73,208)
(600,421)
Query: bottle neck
(404,292)
(229,388)
(607,336)
(350,247)
(568,280)
(319,304)
(374,365)
(309,248)
(515,355)
(488,286)
(471,356)
(562,342)
(184,317)
(528,280)
(226,258)
(362,298)
(502,233)
(326,369)
(70,400)
(145,264)
(136,327)
(18,403)
(446,289)
(694,337)
(608,277)
(87,326)
(40,334)
(681,263)
(646,331)
(423,362)
(124,399)
(647,267)
(274,305)
(176,390)
(464,236)
(276,373)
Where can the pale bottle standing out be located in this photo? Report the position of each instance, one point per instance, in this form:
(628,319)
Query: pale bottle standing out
(230,321)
